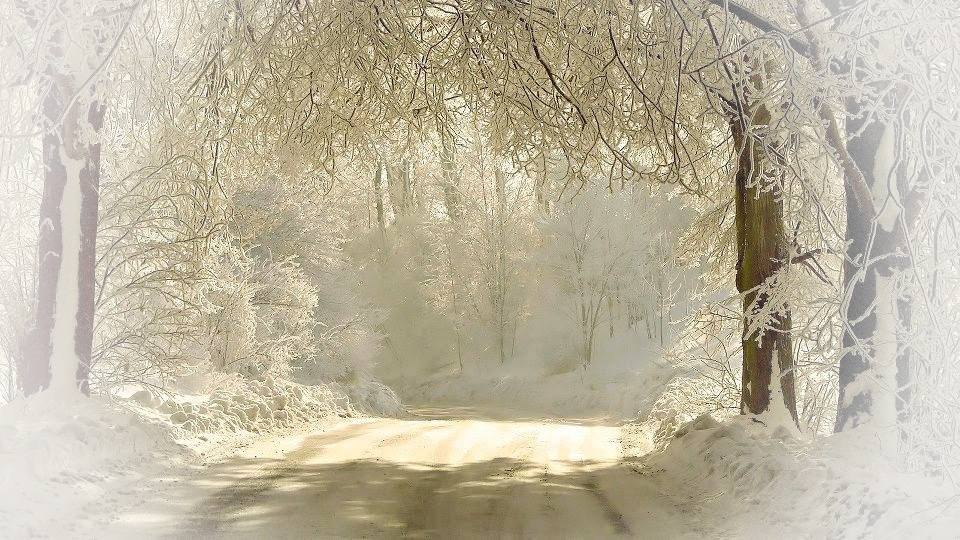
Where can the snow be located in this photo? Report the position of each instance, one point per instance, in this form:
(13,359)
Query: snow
(764,482)
(149,463)
(886,196)
(243,405)
(593,393)
(441,473)
(64,361)
(63,454)
(880,381)
(548,301)
(70,462)
(777,415)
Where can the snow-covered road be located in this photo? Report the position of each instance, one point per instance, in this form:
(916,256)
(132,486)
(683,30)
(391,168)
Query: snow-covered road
(440,473)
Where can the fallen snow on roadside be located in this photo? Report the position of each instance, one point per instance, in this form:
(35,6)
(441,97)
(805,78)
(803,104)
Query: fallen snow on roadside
(768,483)
(70,462)
(243,405)
(62,456)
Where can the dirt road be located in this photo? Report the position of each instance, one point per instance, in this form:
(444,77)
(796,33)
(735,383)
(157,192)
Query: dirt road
(441,473)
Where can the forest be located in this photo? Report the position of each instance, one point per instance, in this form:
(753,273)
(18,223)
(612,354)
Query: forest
(536,268)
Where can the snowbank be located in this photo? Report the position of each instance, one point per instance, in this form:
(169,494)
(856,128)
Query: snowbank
(60,455)
(376,399)
(771,484)
(244,405)
(65,461)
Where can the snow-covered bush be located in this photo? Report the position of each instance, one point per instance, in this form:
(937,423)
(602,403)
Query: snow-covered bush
(259,315)
(234,403)
(311,318)
(248,280)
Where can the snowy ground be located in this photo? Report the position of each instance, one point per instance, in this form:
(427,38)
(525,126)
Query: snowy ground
(69,464)
(440,473)
(230,465)
(499,473)
(619,393)
(766,482)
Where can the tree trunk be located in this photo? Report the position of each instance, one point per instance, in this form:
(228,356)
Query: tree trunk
(873,367)
(876,234)
(501,263)
(451,179)
(89,217)
(876,252)
(57,349)
(761,253)
(395,192)
(378,195)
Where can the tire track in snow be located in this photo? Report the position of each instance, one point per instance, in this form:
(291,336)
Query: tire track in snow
(613,516)
(438,505)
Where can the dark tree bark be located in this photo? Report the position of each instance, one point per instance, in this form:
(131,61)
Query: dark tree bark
(873,250)
(762,251)
(89,217)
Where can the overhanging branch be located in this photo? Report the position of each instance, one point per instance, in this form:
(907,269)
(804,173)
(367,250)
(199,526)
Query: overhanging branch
(763,25)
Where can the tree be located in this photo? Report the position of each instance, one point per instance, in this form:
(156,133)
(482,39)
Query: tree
(57,348)
(762,253)
(594,249)
(879,68)
(884,191)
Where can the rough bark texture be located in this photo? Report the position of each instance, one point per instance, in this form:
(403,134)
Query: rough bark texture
(761,253)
